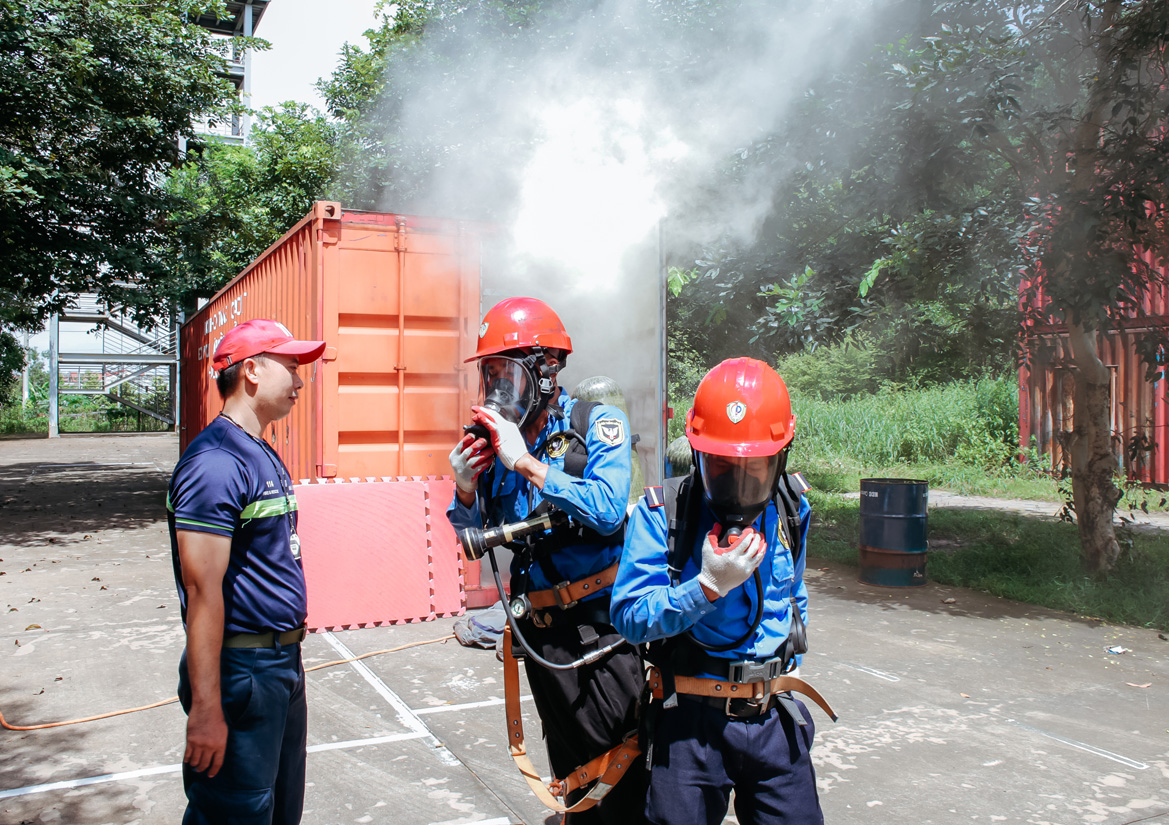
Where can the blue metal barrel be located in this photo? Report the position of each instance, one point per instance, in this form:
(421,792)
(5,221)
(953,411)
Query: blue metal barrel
(893,531)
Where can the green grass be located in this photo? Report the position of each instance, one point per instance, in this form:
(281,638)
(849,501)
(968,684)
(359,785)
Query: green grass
(77,414)
(1018,557)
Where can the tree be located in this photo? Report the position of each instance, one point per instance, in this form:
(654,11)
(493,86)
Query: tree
(1074,100)
(94,98)
(233,202)
(883,220)
(12,356)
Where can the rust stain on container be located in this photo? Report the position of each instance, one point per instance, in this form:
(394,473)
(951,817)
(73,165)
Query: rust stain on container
(396,298)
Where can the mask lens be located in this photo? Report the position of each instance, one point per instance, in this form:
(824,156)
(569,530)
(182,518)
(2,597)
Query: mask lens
(504,387)
(738,487)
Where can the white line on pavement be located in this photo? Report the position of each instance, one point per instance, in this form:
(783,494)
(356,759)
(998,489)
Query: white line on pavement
(89,780)
(888,677)
(406,716)
(164,769)
(1115,757)
(487,703)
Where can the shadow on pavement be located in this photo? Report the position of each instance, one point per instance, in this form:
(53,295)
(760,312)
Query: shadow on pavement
(29,758)
(51,503)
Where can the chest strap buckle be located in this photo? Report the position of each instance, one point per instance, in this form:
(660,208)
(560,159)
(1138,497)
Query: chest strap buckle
(747,671)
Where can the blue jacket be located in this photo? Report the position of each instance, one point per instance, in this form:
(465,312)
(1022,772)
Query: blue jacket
(648,606)
(599,499)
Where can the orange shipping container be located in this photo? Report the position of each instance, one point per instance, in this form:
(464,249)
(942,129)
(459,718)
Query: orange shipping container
(396,298)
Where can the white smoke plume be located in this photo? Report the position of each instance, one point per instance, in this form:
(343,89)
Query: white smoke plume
(583,134)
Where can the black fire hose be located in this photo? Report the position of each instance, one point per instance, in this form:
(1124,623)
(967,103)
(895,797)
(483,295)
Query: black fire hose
(587,659)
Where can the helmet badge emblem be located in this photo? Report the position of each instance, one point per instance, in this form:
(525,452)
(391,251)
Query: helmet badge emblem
(735,411)
(482,329)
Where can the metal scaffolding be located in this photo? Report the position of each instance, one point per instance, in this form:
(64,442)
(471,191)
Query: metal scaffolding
(134,368)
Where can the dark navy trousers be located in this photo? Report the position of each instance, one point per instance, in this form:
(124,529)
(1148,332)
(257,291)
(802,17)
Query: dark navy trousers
(261,781)
(700,754)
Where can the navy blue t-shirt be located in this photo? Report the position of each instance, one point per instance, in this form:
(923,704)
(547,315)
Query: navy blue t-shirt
(230,484)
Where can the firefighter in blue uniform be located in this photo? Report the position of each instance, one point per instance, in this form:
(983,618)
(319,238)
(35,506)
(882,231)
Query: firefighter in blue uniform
(526,457)
(712,578)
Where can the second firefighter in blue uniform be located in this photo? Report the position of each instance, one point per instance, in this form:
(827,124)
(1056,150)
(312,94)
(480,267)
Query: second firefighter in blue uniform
(524,461)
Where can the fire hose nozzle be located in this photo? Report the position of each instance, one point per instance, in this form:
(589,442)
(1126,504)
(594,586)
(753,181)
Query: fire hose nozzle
(475,542)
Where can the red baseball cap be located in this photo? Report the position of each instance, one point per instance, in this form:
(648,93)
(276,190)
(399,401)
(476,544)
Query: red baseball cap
(254,337)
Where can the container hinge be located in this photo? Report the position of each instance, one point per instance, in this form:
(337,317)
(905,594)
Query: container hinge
(400,238)
(330,354)
(326,471)
(328,238)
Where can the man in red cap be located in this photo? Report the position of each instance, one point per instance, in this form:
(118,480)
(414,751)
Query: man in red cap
(236,557)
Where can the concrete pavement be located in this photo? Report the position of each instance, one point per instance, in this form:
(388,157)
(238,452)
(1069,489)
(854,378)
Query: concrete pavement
(980,710)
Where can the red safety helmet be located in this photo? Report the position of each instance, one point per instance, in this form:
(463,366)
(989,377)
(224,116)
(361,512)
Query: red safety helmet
(739,426)
(520,323)
(741,408)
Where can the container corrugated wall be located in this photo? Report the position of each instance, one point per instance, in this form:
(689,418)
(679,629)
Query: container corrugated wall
(396,298)
(1139,412)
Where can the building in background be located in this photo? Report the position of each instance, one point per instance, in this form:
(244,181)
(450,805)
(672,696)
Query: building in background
(242,20)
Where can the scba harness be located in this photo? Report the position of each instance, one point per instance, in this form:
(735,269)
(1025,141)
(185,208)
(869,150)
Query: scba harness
(563,602)
(746,687)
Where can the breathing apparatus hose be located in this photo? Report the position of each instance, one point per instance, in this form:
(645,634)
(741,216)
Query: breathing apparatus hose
(587,659)
(750,630)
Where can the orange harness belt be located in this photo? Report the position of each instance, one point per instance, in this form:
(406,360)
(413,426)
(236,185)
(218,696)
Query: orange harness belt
(756,691)
(606,769)
(567,595)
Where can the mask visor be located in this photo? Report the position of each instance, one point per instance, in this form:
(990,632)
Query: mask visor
(506,387)
(738,487)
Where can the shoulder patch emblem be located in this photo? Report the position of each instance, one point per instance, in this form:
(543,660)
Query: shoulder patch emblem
(557,446)
(735,411)
(801,484)
(611,431)
(655,496)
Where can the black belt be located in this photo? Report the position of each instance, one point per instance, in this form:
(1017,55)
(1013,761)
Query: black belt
(269,639)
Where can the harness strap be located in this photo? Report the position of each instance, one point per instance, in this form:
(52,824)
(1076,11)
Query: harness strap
(698,686)
(606,769)
(567,594)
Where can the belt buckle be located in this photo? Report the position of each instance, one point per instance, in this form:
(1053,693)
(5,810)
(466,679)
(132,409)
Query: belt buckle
(748,671)
(757,706)
(558,590)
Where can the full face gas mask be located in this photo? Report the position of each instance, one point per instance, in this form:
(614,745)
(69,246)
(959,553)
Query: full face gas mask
(518,388)
(738,488)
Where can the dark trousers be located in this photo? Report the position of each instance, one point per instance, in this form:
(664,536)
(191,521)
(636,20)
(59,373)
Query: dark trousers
(261,781)
(700,754)
(587,711)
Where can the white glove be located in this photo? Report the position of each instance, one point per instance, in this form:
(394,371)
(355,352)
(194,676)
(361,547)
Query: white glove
(469,459)
(506,439)
(725,568)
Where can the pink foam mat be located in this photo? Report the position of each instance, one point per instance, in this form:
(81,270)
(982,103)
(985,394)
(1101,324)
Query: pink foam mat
(378,552)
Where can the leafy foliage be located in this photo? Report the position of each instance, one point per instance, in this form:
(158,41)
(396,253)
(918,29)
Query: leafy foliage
(94,97)
(233,202)
(11,365)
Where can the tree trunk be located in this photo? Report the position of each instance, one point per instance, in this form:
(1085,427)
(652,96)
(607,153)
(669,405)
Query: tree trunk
(1093,460)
